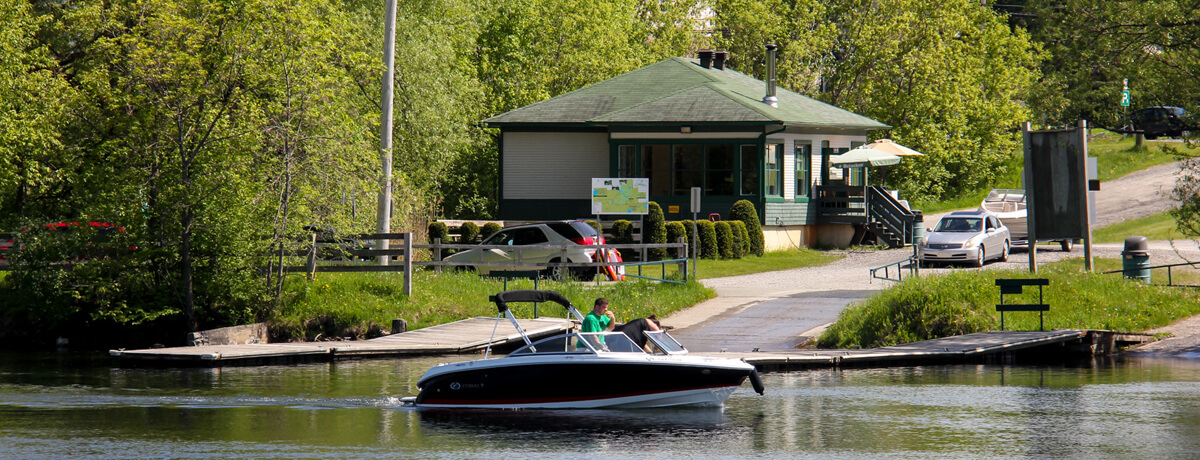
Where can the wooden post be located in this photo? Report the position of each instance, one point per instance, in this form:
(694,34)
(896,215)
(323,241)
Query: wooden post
(1030,224)
(437,254)
(408,263)
(311,263)
(1087,202)
(683,269)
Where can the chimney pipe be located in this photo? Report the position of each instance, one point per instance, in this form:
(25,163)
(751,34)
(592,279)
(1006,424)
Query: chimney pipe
(719,59)
(706,58)
(770,98)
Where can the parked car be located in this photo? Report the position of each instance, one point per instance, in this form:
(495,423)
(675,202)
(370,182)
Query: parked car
(1162,121)
(965,237)
(523,238)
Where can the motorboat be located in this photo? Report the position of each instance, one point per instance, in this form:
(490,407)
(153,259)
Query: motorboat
(580,370)
(1008,205)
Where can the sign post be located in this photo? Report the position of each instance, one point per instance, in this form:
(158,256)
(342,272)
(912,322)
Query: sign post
(695,210)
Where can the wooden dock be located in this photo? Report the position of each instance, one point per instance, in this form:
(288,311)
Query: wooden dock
(464,336)
(985,347)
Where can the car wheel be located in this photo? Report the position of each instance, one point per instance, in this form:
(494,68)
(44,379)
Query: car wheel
(1067,245)
(585,273)
(980,257)
(555,272)
(1004,252)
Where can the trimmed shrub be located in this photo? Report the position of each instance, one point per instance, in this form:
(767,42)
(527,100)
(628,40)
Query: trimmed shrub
(708,239)
(675,231)
(622,233)
(468,233)
(725,240)
(656,231)
(740,239)
(438,230)
(744,211)
(687,232)
(489,229)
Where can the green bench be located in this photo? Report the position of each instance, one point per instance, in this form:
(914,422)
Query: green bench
(1015,286)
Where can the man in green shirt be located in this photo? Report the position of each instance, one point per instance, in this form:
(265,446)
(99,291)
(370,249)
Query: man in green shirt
(599,320)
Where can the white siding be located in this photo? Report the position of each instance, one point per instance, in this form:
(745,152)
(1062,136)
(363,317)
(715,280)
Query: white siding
(553,165)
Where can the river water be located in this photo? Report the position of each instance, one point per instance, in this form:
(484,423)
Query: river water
(70,405)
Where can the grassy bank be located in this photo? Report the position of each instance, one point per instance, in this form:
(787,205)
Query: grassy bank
(964,302)
(1160,226)
(363,304)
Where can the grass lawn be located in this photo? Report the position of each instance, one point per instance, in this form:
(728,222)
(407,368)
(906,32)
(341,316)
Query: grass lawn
(928,307)
(1115,157)
(1160,226)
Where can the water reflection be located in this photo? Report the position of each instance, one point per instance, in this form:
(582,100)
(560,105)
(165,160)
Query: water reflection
(68,406)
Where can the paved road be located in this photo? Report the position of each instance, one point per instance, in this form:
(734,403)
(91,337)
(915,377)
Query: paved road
(779,310)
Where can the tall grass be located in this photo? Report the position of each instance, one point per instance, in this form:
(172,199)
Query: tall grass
(363,305)
(929,307)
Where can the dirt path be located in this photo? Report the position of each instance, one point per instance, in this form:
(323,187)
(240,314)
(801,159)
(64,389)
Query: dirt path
(778,310)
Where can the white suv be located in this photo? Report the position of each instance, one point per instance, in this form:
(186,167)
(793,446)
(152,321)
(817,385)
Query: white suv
(524,243)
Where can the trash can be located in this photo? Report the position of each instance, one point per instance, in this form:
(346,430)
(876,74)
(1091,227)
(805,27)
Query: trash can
(918,227)
(1135,259)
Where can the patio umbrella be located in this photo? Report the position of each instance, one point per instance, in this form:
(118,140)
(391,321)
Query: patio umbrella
(864,156)
(886,145)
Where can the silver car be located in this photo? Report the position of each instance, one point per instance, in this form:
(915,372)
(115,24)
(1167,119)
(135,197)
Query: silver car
(965,237)
(519,247)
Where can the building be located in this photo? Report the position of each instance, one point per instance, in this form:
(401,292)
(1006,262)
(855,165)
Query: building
(684,123)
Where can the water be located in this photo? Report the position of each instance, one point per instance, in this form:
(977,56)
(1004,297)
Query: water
(70,406)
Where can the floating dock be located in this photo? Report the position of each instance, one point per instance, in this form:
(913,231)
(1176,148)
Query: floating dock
(472,335)
(464,336)
(1006,347)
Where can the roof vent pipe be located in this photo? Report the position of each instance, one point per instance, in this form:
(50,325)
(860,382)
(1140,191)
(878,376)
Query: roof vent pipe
(770,98)
(706,58)
(719,59)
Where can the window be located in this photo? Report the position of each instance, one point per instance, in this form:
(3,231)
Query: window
(803,155)
(689,168)
(656,166)
(773,160)
(719,170)
(749,169)
(627,161)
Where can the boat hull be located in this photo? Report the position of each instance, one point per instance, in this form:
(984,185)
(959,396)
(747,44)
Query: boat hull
(507,383)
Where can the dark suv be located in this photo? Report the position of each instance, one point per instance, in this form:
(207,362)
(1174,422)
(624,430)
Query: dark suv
(1162,121)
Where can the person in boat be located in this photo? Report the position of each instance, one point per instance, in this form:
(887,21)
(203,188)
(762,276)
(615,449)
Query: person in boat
(636,330)
(601,319)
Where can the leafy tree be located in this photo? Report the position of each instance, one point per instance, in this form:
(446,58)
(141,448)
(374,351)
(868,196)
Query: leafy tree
(744,211)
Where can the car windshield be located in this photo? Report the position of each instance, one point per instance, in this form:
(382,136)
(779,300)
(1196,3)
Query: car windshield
(960,224)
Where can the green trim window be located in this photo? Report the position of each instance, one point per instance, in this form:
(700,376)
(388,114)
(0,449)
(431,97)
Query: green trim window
(803,157)
(749,164)
(674,168)
(773,160)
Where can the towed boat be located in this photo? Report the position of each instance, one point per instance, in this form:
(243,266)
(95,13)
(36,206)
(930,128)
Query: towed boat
(581,370)
(1008,205)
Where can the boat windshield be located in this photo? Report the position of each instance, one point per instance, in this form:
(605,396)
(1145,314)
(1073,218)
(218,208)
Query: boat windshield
(1004,194)
(664,343)
(581,343)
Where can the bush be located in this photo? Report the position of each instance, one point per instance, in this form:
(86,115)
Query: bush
(622,233)
(744,211)
(740,237)
(708,239)
(725,240)
(439,231)
(675,231)
(468,233)
(489,229)
(687,230)
(655,231)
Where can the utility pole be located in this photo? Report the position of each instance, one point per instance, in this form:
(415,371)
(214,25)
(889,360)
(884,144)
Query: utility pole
(384,217)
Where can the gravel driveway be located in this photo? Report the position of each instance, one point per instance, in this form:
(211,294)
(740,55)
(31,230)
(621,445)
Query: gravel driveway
(779,310)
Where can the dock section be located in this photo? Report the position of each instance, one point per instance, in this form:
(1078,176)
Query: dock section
(464,336)
(986,347)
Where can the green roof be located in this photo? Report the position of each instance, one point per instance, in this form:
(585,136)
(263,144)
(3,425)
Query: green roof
(679,90)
